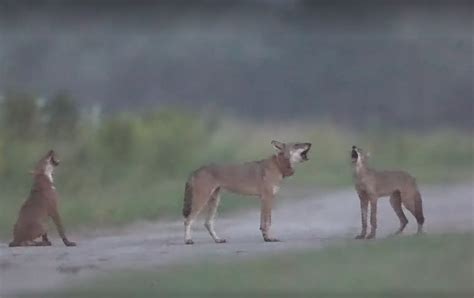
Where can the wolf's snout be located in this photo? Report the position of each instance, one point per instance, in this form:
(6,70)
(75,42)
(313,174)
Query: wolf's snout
(55,161)
(354,154)
(304,154)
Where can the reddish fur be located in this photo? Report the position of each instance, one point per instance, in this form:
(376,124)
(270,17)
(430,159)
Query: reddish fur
(41,204)
(257,178)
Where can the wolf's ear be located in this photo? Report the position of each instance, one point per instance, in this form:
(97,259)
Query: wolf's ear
(278,145)
(50,152)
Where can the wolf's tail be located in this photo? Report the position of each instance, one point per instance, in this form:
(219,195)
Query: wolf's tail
(188,198)
(419,209)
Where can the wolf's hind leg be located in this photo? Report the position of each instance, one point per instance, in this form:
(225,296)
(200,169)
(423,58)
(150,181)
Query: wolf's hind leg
(45,241)
(14,244)
(416,208)
(25,243)
(211,214)
(26,233)
(396,202)
(199,201)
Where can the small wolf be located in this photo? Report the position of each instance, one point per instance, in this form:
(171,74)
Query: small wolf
(371,184)
(41,203)
(257,178)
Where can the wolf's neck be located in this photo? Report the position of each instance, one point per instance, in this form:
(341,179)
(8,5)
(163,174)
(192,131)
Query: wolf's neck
(48,172)
(49,176)
(361,169)
(283,165)
(43,181)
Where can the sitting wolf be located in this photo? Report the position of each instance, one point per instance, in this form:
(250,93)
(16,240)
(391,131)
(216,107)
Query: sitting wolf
(41,204)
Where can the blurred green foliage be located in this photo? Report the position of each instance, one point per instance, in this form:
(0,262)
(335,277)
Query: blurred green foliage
(62,116)
(127,166)
(20,116)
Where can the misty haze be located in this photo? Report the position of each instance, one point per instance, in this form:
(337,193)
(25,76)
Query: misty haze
(366,64)
(154,108)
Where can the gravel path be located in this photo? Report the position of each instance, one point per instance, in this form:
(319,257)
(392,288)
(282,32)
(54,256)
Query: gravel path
(310,222)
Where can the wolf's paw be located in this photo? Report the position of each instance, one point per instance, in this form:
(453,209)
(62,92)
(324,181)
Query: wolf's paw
(221,241)
(395,234)
(188,242)
(360,236)
(271,240)
(69,243)
(370,236)
(13,244)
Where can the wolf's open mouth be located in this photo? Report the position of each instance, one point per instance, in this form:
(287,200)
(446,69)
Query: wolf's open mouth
(354,155)
(304,154)
(54,161)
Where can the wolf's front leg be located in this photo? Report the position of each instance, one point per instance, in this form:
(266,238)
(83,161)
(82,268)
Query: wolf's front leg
(364,203)
(373,219)
(266,218)
(59,225)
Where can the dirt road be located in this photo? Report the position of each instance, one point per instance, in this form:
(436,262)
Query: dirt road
(304,223)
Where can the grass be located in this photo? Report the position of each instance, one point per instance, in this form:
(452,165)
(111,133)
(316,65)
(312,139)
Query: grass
(132,168)
(428,266)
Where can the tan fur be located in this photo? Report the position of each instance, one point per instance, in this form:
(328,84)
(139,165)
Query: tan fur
(41,204)
(371,184)
(257,178)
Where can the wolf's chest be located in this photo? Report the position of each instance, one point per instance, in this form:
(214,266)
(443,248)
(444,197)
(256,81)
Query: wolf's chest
(275,189)
(364,184)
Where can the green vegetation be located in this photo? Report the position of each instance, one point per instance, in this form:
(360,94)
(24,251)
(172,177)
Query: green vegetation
(122,167)
(428,266)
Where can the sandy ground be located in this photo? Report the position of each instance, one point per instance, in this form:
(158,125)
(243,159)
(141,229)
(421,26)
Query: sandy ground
(310,222)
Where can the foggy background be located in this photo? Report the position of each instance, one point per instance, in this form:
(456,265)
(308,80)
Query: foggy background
(360,64)
(136,95)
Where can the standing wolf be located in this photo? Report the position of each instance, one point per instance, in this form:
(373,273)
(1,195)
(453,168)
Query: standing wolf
(257,178)
(371,184)
(41,204)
